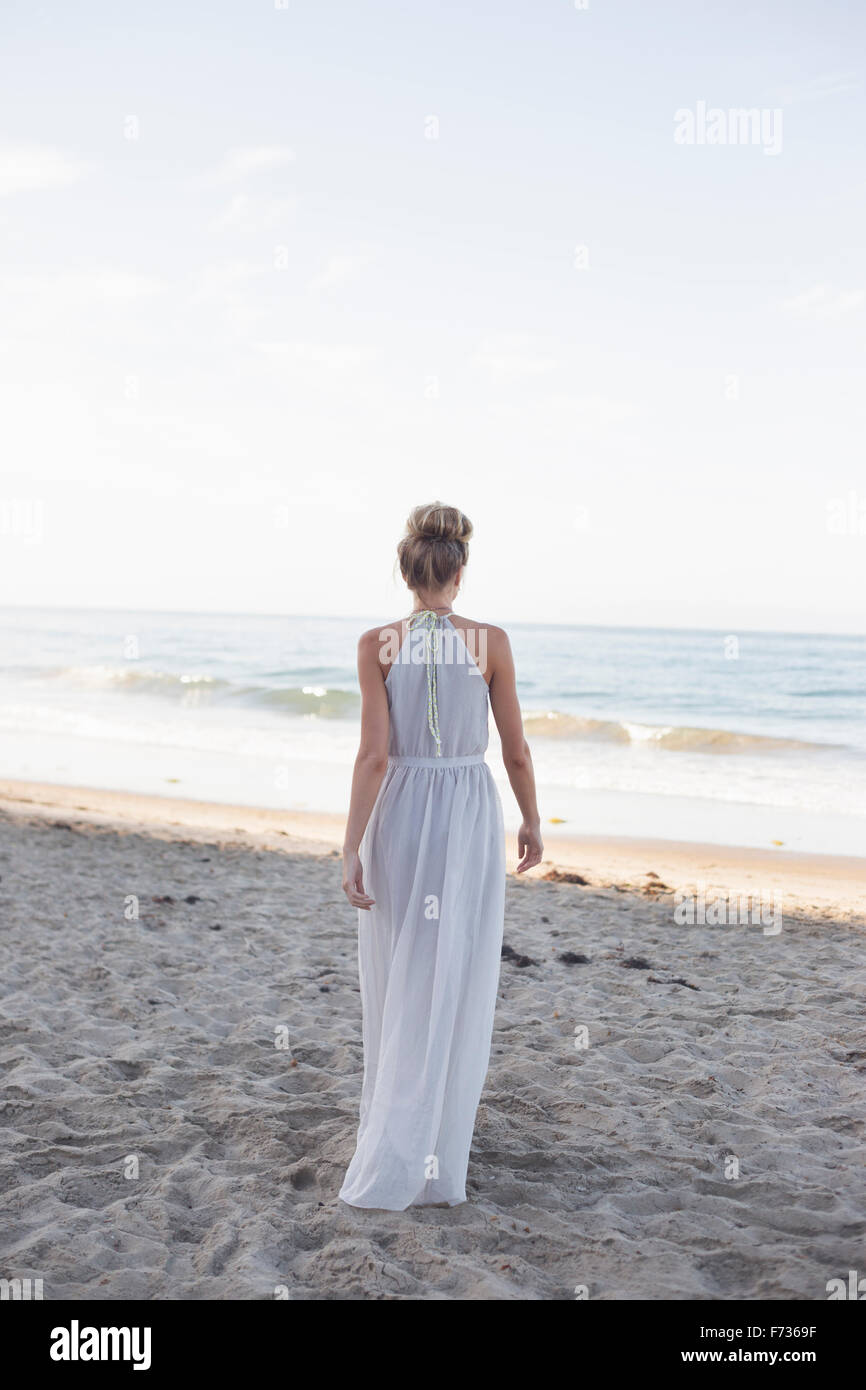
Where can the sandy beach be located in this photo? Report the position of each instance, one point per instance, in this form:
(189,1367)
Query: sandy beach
(672,1111)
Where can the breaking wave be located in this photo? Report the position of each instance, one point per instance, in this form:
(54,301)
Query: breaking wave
(319,700)
(677,738)
(196,688)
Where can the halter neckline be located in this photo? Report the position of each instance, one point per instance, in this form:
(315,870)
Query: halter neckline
(428,618)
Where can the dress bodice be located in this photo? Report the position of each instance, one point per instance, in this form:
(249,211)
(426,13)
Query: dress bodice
(434,685)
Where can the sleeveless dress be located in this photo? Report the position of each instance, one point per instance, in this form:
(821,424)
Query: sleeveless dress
(433,857)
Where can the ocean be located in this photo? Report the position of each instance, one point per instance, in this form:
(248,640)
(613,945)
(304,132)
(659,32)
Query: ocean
(751,739)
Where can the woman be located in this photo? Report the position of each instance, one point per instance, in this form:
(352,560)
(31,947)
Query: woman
(425,821)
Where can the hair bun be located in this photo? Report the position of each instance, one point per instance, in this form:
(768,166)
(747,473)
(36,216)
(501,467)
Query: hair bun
(436,522)
(435,546)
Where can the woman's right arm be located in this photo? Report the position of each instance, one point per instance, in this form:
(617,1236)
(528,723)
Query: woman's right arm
(370,766)
(515,750)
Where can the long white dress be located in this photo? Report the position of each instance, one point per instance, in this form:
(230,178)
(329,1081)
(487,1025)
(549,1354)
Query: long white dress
(433,857)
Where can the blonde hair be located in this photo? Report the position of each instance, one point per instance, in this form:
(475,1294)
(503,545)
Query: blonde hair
(435,546)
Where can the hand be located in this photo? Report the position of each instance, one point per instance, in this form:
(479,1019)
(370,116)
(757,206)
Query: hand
(530,846)
(353,882)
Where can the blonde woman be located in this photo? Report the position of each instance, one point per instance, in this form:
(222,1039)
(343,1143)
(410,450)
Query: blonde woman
(424,862)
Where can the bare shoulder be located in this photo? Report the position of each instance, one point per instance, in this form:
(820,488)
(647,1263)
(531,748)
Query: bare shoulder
(380,645)
(499,648)
(460,621)
(488,644)
(495,635)
(375,636)
(368,641)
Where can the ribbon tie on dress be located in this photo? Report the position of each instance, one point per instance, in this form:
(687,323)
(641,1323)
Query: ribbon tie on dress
(426,618)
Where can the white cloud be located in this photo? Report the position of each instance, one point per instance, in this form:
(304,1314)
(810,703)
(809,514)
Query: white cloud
(223,280)
(824,302)
(230,290)
(332,355)
(593,411)
(816,88)
(244,160)
(245,214)
(512,354)
(83,287)
(27,168)
(338,270)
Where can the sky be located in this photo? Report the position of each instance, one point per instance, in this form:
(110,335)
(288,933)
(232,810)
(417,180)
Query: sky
(273,274)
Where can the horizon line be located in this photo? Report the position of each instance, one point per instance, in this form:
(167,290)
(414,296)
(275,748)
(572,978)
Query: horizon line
(362,617)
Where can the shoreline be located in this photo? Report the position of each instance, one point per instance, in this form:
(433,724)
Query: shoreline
(804,883)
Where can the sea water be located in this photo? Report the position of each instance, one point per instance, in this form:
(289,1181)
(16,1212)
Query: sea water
(745,738)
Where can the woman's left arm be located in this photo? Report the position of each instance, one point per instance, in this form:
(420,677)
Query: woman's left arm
(370,765)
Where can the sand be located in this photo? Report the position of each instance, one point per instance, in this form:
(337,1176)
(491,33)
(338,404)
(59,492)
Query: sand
(161,1142)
